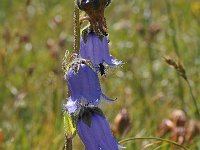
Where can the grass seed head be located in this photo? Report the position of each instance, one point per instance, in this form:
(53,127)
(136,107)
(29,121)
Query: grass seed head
(177,65)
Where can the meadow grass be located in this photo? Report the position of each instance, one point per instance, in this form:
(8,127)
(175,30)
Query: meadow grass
(34,37)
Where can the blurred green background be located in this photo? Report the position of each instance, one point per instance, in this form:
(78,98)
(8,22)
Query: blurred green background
(34,35)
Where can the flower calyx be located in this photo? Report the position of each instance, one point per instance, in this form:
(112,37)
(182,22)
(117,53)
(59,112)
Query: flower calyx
(86,113)
(86,31)
(75,63)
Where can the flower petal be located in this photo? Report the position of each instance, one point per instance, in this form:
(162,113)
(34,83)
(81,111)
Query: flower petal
(98,132)
(108,138)
(90,85)
(97,50)
(84,85)
(71,106)
(86,136)
(106,98)
(73,82)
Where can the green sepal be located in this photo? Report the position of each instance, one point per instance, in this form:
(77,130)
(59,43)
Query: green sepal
(98,111)
(85,32)
(85,114)
(70,129)
(101,37)
(87,118)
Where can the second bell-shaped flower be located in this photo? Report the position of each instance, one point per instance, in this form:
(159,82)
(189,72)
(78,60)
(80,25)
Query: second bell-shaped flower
(94,131)
(84,87)
(96,50)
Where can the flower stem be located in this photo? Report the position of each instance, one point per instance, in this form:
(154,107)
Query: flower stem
(152,138)
(68,140)
(173,27)
(76,28)
(176,47)
(68,143)
(193,98)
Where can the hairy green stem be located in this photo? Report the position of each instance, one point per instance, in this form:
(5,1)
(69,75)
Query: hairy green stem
(76,28)
(152,138)
(68,140)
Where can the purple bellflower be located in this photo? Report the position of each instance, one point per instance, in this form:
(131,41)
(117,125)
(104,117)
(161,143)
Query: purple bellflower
(96,50)
(84,88)
(94,130)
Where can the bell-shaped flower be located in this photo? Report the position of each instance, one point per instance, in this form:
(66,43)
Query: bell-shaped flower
(94,131)
(84,87)
(97,50)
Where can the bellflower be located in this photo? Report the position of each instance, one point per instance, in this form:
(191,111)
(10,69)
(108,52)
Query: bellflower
(84,88)
(94,131)
(96,50)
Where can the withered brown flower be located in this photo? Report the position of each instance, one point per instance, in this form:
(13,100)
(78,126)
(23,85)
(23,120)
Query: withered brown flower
(95,11)
(181,129)
(122,122)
